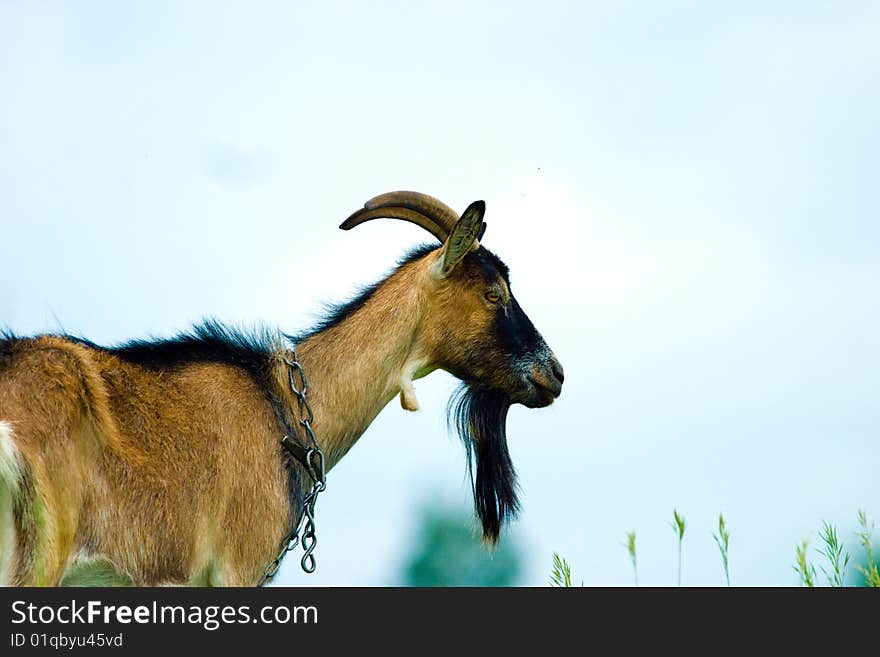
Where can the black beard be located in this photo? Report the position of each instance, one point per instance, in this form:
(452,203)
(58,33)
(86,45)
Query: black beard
(480,416)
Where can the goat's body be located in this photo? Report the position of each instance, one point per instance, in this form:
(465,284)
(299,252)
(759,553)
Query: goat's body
(159,462)
(151,476)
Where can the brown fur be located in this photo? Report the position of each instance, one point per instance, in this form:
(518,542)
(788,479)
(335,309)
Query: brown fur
(159,473)
(175,476)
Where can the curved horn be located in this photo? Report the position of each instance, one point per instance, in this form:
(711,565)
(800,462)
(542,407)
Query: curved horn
(396,212)
(426,211)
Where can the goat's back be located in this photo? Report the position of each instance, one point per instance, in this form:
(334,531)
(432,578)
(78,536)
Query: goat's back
(172,475)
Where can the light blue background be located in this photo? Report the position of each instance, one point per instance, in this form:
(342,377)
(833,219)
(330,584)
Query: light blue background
(686,194)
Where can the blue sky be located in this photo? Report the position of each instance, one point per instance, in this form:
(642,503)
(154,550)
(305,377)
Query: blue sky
(685,193)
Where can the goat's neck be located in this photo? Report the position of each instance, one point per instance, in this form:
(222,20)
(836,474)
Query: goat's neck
(357,366)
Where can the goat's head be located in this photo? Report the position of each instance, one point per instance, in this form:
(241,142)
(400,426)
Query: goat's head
(474,328)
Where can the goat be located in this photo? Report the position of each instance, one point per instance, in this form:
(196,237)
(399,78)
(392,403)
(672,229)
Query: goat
(158,461)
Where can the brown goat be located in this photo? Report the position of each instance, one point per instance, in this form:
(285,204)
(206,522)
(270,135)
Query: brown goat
(158,462)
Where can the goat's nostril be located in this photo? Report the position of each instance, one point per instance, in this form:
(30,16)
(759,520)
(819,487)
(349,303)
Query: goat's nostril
(557,372)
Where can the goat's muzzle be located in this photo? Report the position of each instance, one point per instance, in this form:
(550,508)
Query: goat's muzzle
(543,383)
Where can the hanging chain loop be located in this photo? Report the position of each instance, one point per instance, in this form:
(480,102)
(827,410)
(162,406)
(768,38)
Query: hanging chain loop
(303,533)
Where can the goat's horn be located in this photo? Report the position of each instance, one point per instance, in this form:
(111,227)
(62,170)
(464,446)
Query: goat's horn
(396,212)
(426,211)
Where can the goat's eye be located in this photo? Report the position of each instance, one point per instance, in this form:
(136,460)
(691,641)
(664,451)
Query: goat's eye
(492,296)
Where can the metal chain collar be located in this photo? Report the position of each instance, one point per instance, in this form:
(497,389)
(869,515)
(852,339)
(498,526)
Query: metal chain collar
(314,462)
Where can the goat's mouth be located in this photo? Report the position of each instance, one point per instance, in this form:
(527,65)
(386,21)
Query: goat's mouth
(539,391)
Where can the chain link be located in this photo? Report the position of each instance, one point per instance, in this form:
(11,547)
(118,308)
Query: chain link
(315,466)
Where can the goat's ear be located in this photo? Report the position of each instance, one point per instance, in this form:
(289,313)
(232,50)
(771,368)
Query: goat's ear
(467,231)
